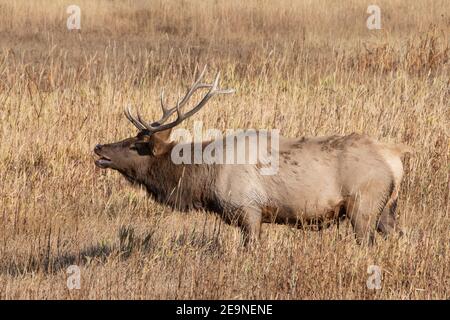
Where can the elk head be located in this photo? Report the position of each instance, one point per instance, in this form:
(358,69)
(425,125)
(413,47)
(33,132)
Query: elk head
(153,140)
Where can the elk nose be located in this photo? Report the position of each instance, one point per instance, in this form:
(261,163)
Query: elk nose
(98,148)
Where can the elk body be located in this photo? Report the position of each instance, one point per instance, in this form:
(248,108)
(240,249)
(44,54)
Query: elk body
(320,180)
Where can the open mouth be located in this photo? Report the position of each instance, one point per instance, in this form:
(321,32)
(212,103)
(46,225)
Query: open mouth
(103,162)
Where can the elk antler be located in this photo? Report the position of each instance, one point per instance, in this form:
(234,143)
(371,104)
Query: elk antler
(159,125)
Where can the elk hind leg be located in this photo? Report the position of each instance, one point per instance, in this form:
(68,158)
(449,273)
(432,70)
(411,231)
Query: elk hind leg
(361,213)
(250,224)
(387,224)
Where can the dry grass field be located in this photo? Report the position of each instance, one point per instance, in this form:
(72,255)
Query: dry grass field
(304,67)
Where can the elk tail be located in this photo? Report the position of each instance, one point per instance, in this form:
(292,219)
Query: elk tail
(399,148)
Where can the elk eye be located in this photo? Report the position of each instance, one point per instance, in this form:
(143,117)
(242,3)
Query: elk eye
(140,147)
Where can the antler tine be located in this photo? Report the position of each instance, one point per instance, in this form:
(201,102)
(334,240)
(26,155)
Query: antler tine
(162,102)
(139,118)
(137,123)
(178,109)
(158,126)
(212,92)
(195,86)
(220,91)
(216,81)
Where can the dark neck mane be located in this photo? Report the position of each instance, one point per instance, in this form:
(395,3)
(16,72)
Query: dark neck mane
(182,187)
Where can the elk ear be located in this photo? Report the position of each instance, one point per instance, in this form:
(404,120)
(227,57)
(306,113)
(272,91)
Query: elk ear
(159,146)
(163,135)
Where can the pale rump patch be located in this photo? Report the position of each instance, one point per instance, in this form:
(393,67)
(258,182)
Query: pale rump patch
(391,155)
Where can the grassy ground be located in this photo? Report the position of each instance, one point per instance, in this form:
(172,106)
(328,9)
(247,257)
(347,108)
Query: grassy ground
(305,67)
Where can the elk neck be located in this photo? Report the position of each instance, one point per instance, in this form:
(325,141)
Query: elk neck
(180,186)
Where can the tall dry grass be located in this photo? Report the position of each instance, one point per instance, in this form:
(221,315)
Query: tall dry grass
(305,67)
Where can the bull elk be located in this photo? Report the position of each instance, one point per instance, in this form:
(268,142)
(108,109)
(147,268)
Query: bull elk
(320,180)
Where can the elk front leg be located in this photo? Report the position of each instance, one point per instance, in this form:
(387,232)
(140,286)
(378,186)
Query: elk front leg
(250,224)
